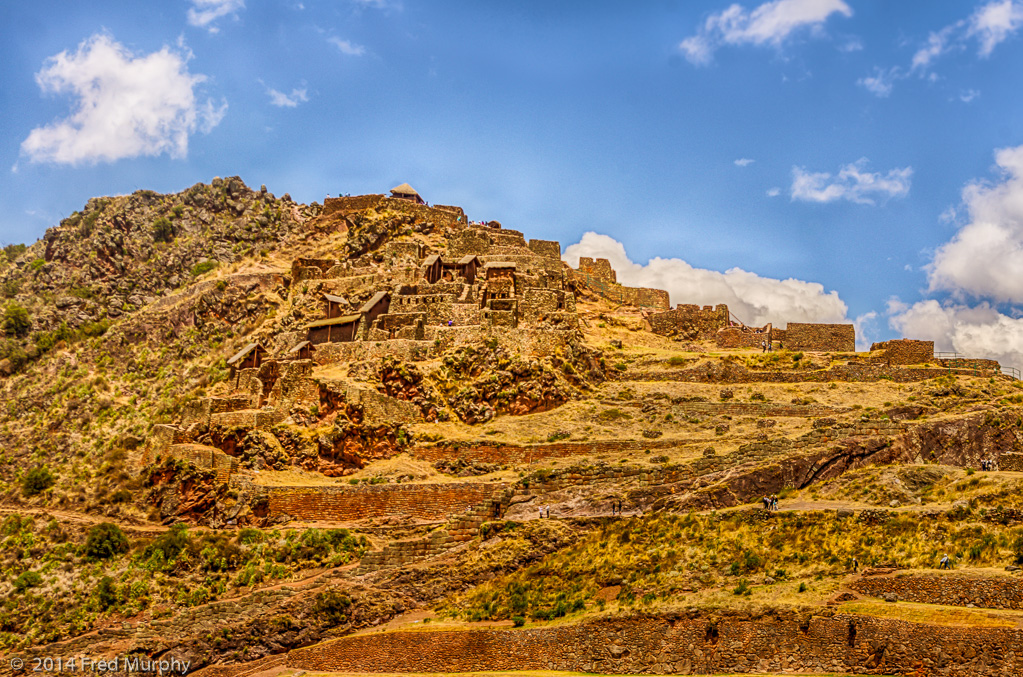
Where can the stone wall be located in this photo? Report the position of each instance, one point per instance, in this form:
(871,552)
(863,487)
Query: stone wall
(378,408)
(641,297)
(743,337)
(991,593)
(690,321)
(547,248)
(820,337)
(511,453)
(1011,462)
(697,644)
(426,502)
(599,268)
(905,351)
(208,458)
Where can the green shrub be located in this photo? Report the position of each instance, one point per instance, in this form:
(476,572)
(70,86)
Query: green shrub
(37,480)
(171,543)
(28,579)
(203,267)
(106,593)
(16,321)
(518,621)
(105,541)
(743,588)
(332,605)
(163,230)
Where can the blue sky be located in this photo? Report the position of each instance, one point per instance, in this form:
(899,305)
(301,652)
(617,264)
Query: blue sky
(797,159)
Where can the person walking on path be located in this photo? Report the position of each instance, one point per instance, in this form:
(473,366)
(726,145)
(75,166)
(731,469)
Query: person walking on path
(945,562)
(856,565)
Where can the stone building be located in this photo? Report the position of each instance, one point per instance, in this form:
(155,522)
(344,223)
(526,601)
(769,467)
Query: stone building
(407,192)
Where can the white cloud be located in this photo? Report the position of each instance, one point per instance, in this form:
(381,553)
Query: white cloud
(985,257)
(937,44)
(773,192)
(127,106)
(851,183)
(851,45)
(769,24)
(283,100)
(203,13)
(979,331)
(744,162)
(347,47)
(880,83)
(968,95)
(753,299)
(866,330)
(995,22)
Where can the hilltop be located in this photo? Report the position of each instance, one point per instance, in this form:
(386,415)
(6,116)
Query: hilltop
(238,428)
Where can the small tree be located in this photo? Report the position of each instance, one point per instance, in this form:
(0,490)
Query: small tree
(104,541)
(37,480)
(16,321)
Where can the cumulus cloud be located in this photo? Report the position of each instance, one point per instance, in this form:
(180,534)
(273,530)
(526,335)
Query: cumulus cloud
(753,299)
(978,331)
(994,23)
(985,257)
(773,192)
(127,105)
(851,183)
(204,13)
(283,100)
(744,162)
(347,47)
(769,24)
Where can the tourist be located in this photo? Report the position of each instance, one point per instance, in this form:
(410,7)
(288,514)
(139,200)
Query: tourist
(945,562)
(541,511)
(548,512)
(763,346)
(856,565)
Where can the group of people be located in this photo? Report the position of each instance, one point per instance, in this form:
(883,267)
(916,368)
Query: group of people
(770,502)
(616,507)
(987,464)
(546,508)
(765,347)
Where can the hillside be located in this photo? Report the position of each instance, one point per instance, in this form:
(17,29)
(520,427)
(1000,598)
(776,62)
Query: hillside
(244,433)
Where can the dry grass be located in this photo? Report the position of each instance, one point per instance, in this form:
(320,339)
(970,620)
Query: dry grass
(936,614)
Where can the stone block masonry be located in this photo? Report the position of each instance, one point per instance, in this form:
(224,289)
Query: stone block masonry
(904,351)
(820,337)
(691,322)
(991,593)
(686,645)
(1012,462)
(427,502)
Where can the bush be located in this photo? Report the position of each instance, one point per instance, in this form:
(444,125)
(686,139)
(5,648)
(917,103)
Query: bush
(106,593)
(518,621)
(163,230)
(26,580)
(743,588)
(16,321)
(104,541)
(171,543)
(37,480)
(203,267)
(332,605)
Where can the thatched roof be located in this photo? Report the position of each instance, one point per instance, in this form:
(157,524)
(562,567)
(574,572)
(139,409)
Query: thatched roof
(404,189)
(299,347)
(336,299)
(344,319)
(241,354)
(375,299)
